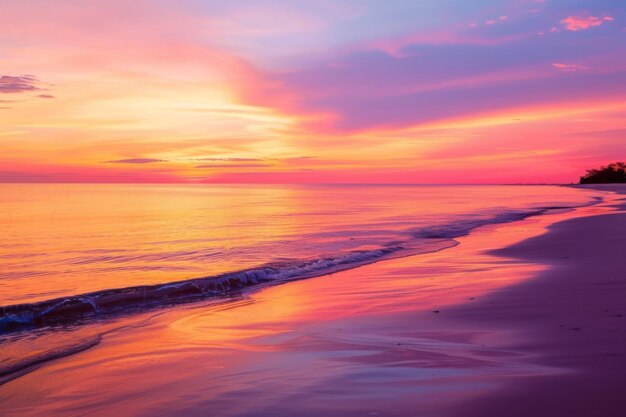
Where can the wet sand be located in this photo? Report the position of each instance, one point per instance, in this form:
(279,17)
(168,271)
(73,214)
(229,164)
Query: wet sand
(535,328)
(573,317)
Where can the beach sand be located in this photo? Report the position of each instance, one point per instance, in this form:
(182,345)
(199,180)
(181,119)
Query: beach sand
(573,316)
(520,319)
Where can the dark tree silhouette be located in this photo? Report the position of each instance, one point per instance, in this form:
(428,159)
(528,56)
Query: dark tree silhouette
(613,173)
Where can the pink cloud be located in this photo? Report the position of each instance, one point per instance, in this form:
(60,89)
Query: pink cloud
(494,21)
(568,67)
(576,23)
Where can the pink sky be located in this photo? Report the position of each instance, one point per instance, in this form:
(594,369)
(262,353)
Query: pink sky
(514,91)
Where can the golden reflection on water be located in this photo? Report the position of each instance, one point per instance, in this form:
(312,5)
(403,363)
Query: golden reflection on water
(66,239)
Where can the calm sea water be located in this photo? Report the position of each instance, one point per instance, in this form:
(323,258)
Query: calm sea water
(60,240)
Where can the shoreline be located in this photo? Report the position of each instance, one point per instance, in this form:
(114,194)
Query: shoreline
(82,308)
(455,326)
(573,316)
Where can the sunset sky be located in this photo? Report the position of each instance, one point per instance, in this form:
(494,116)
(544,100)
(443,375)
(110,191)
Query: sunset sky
(358,91)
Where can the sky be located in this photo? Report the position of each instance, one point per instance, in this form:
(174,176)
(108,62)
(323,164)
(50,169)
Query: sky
(325,91)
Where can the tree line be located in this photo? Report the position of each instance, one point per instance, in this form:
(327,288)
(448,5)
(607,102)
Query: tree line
(612,173)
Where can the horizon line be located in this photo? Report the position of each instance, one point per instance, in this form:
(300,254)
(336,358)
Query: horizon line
(277,183)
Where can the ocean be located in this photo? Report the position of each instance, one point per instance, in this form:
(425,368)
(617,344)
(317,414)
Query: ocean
(74,258)
(62,240)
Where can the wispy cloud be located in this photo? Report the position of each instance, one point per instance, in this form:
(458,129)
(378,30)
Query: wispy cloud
(221,166)
(494,21)
(230,159)
(434,83)
(608,134)
(568,67)
(18,84)
(136,161)
(3,104)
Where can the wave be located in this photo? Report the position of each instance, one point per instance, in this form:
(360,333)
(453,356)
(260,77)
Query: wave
(12,370)
(71,309)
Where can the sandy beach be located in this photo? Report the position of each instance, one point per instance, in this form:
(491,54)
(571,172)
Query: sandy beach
(519,319)
(572,316)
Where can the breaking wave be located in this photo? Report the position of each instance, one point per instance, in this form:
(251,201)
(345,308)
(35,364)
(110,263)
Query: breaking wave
(72,309)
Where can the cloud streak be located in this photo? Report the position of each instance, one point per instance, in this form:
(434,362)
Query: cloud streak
(428,83)
(18,84)
(228,166)
(568,67)
(136,161)
(230,159)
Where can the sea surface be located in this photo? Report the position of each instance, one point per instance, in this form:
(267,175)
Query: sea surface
(377,339)
(59,240)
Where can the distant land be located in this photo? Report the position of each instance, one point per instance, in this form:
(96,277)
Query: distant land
(610,174)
